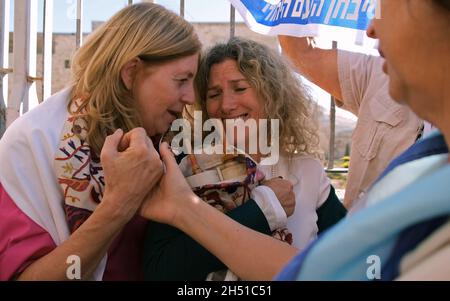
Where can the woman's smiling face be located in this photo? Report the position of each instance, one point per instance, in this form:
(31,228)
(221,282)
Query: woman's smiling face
(230,96)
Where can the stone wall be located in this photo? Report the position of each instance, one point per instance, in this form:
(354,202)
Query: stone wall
(64,48)
(209,34)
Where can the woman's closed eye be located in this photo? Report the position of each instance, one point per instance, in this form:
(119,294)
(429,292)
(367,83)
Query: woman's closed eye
(213,94)
(240,89)
(182,80)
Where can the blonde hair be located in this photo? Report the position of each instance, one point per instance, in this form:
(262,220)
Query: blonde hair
(284,96)
(144,30)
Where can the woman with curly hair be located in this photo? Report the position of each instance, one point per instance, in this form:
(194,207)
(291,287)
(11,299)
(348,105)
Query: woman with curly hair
(402,230)
(243,79)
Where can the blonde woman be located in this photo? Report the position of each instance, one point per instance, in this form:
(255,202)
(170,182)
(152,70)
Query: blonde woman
(244,79)
(70,195)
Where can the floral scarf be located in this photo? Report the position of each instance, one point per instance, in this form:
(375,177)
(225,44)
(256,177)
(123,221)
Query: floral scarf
(78,170)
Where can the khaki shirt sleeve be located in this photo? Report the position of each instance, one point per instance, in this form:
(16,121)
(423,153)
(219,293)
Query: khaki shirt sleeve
(355,74)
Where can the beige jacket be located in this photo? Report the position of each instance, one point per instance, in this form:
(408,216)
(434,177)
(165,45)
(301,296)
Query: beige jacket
(384,128)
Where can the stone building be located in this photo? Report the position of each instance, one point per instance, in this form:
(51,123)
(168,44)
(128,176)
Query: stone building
(64,48)
(209,34)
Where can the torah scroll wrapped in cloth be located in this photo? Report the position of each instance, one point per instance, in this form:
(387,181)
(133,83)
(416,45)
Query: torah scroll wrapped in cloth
(225,182)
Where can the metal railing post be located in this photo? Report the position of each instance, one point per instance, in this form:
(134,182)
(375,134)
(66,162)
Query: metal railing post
(332,127)
(4,61)
(79,33)
(182,7)
(232,21)
(24,76)
(48,50)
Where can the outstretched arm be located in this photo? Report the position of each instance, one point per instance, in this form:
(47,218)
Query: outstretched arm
(318,65)
(251,255)
(170,254)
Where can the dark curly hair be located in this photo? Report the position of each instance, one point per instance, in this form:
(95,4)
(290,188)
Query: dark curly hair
(284,97)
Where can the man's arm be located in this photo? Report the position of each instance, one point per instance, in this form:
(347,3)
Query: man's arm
(318,65)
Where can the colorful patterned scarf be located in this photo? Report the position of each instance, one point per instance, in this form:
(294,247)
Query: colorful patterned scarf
(78,170)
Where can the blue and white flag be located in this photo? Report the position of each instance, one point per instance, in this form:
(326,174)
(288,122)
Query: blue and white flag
(331,19)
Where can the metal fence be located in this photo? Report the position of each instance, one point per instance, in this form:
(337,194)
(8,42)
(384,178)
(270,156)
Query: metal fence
(24,96)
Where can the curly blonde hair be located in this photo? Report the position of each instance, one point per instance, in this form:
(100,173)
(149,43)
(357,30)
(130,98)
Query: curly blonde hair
(145,30)
(285,98)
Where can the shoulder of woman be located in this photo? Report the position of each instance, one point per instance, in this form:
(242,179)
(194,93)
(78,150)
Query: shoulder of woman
(45,116)
(36,132)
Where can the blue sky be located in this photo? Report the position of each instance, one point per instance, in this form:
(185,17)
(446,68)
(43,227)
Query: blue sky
(101,10)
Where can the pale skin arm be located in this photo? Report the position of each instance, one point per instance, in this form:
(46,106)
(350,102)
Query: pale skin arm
(251,255)
(122,199)
(317,65)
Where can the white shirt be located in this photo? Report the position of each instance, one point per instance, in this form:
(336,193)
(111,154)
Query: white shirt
(311,188)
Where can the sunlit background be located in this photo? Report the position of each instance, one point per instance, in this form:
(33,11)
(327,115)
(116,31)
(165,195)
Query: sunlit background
(195,11)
